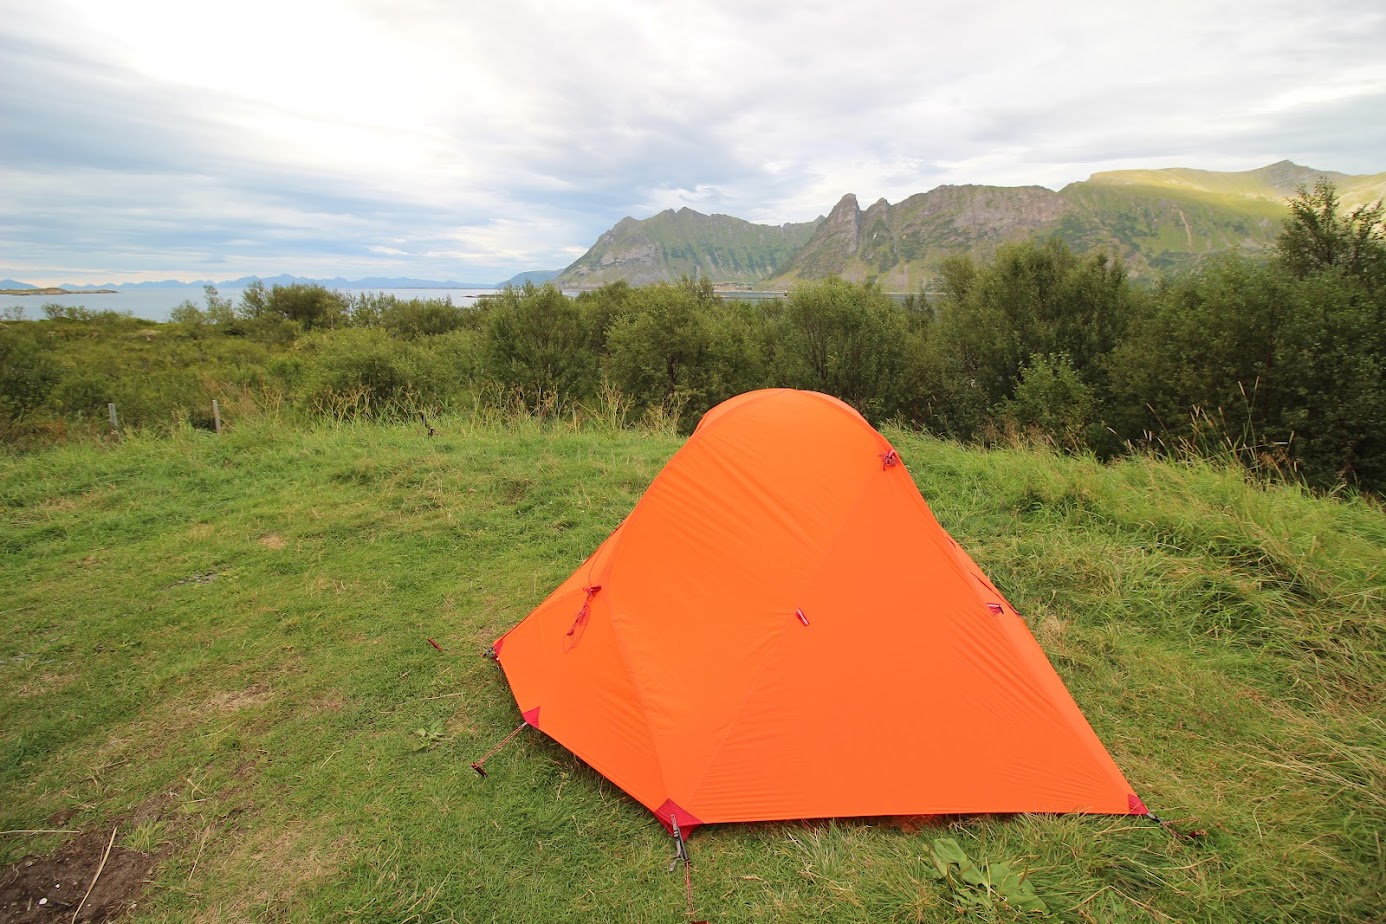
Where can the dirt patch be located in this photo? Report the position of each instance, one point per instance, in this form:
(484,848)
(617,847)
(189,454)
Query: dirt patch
(51,887)
(59,819)
(1049,630)
(273,541)
(45,683)
(332,701)
(236,700)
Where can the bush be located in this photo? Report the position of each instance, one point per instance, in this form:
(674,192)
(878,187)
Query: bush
(280,311)
(661,352)
(190,319)
(844,339)
(538,346)
(27,373)
(83,394)
(459,361)
(1281,366)
(1032,299)
(364,372)
(1051,401)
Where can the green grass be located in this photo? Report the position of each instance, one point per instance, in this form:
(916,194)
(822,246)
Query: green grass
(224,641)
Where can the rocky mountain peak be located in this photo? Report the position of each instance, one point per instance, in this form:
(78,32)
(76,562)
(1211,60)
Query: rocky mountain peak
(847,205)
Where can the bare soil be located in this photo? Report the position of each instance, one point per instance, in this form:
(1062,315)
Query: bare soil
(51,887)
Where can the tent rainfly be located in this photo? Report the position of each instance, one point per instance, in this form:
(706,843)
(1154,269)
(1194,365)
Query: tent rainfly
(780,629)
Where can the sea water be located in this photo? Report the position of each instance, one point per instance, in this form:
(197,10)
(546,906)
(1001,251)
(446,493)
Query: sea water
(156,304)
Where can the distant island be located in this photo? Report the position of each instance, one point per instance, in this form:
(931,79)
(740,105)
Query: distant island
(53,291)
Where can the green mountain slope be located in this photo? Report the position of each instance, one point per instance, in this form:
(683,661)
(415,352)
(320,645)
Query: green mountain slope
(1274,183)
(1153,219)
(686,243)
(1164,218)
(1155,228)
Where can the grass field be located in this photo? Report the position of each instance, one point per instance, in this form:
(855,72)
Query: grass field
(218,648)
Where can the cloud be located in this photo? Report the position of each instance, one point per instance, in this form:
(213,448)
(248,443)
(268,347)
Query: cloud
(474,140)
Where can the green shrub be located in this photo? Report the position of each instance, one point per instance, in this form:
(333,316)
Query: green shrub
(422,317)
(279,311)
(364,372)
(459,361)
(83,393)
(661,351)
(538,346)
(844,339)
(1032,298)
(1051,401)
(27,372)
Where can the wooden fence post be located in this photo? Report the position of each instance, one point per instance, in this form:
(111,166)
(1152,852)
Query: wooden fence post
(115,427)
(216,414)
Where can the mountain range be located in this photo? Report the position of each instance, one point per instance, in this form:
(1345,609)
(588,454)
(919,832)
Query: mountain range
(1152,219)
(284,279)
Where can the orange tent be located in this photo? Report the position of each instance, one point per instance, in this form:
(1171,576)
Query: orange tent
(780,629)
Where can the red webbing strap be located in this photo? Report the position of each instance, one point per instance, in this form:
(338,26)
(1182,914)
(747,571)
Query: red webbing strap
(477,764)
(688,887)
(574,631)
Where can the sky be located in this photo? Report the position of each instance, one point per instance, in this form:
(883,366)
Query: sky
(470,141)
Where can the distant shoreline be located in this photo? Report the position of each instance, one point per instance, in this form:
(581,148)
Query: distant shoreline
(58,292)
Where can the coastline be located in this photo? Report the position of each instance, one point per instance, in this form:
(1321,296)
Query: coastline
(55,291)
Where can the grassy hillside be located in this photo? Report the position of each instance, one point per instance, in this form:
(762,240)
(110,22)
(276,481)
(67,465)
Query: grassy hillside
(1273,183)
(218,648)
(1166,228)
(670,245)
(1166,219)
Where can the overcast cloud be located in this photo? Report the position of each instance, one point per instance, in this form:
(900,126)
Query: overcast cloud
(143,139)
